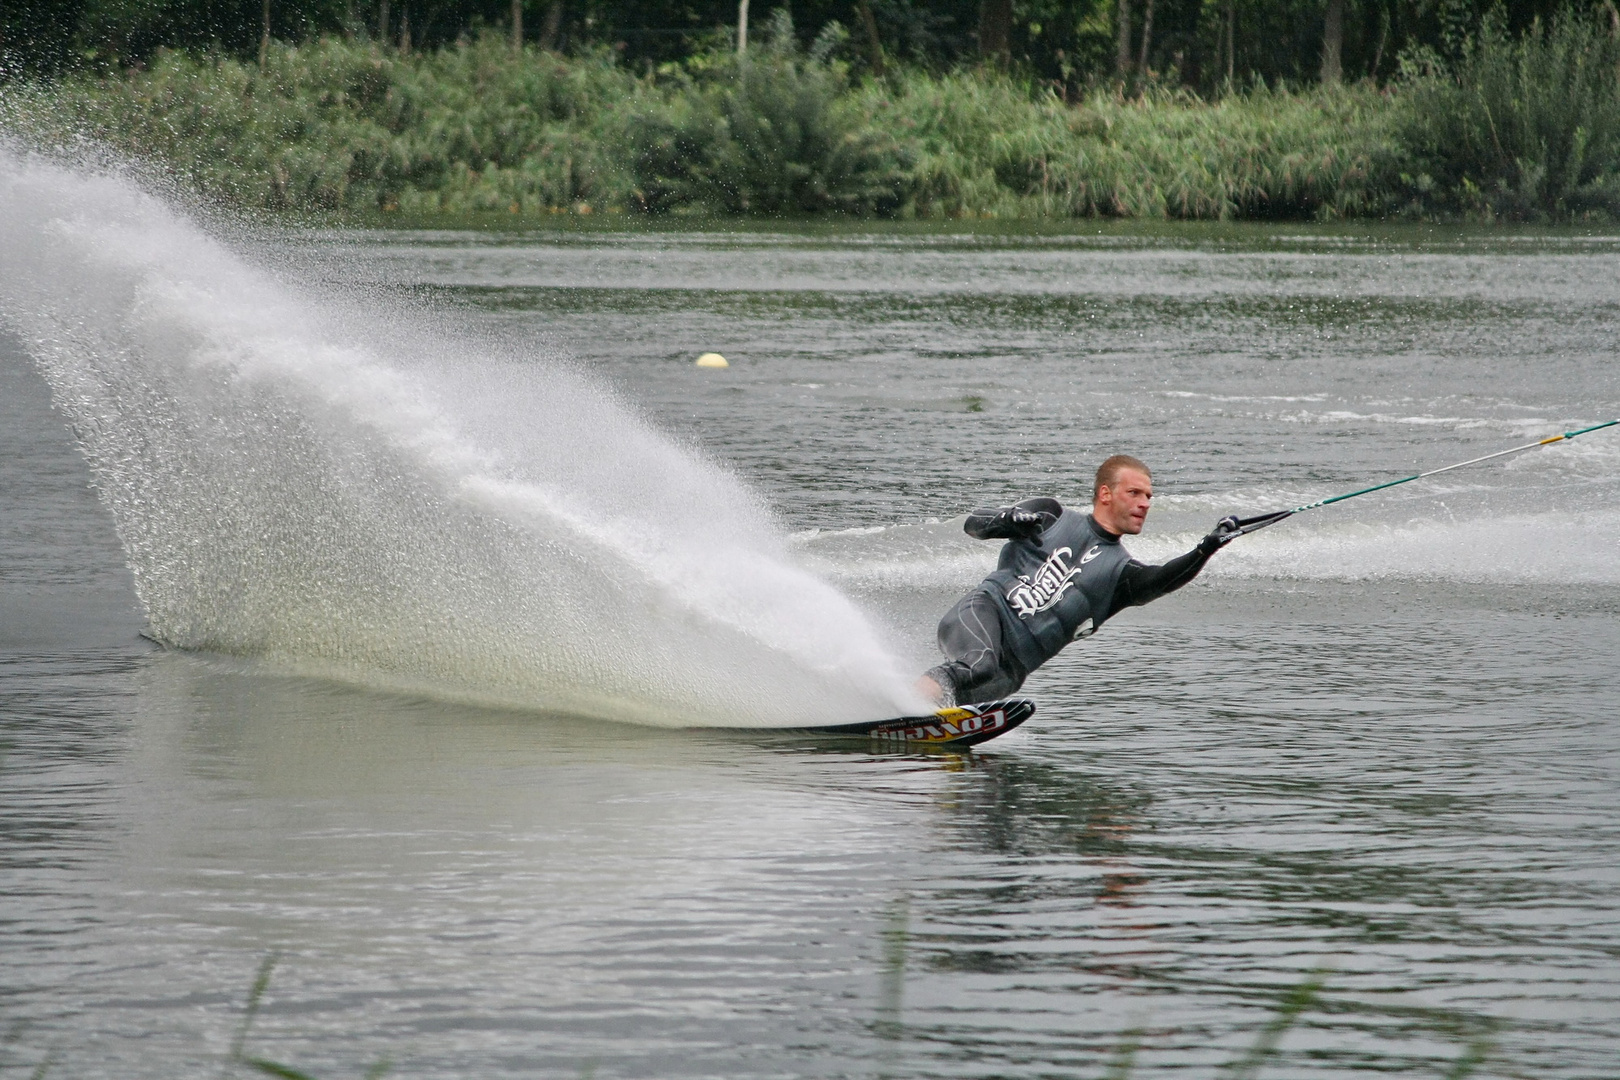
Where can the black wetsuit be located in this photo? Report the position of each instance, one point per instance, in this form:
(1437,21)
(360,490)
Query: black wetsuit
(1059,578)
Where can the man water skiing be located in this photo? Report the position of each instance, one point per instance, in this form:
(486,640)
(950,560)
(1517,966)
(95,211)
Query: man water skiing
(1061,575)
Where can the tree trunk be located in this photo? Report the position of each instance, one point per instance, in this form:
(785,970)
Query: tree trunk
(517,25)
(995,30)
(264,38)
(1614,31)
(382,21)
(1122,62)
(874,43)
(1231,41)
(742,26)
(1383,39)
(404,29)
(1147,37)
(1333,41)
(553,24)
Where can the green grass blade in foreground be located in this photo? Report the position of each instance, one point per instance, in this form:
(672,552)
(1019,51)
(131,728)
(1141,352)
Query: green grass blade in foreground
(285,1072)
(895,942)
(1119,1068)
(271,1068)
(1293,1003)
(261,983)
(1478,1049)
(13,1036)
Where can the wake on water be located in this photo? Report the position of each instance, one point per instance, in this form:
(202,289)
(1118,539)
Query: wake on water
(337,486)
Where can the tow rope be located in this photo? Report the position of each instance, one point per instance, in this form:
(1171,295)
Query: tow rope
(1260,521)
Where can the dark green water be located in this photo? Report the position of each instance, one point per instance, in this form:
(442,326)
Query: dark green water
(1377,742)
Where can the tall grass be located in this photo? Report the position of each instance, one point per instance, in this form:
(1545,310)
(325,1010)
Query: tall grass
(1525,128)
(985,146)
(339,125)
(343,125)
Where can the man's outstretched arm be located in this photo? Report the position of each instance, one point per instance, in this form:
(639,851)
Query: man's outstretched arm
(1025,519)
(1141,584)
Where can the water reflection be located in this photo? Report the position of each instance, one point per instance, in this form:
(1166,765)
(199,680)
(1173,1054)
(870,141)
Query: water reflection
(562,892)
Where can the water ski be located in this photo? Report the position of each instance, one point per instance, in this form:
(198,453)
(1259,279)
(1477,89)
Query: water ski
(956,727)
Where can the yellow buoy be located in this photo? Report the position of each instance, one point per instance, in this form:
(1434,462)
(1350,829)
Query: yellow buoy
(712,359)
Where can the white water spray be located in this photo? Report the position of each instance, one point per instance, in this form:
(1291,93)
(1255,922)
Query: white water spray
(350,492)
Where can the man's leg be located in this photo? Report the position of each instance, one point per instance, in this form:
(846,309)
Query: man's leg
(976,668)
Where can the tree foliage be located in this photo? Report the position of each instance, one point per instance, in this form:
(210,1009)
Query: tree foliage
(1070,44)
(1523,127)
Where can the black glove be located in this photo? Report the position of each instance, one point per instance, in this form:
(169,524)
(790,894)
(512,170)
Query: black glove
(1027,523)
(1226,530)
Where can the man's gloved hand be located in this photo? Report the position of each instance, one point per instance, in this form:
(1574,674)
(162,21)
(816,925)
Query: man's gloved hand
(1225,531)
(1026,522)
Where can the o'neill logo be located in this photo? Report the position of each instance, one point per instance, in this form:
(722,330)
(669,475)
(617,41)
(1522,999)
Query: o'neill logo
(1044,588)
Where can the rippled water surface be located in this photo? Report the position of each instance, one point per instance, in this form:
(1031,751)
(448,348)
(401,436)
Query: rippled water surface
(1375,746)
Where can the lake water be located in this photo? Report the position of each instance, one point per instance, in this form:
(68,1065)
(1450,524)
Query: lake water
(1375,746)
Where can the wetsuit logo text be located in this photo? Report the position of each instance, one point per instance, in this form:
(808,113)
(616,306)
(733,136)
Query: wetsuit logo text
(1045,587)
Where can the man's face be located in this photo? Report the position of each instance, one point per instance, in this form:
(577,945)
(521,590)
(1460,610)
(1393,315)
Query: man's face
(1122,507)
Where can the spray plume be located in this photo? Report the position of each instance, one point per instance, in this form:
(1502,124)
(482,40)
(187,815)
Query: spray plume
(352,490)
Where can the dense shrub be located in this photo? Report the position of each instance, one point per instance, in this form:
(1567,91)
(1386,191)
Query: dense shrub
(772,132)
(1526,127)
(341,125)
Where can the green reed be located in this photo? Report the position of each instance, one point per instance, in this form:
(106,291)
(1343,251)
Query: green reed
(238,1055)
(350,126)
(987,146)
(1524,127)
(898,938)
(339,125)
(1291,1005)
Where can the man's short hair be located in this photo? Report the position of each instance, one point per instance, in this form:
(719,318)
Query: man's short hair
(1108,472)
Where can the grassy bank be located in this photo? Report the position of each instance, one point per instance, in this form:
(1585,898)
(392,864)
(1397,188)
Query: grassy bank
(349,126)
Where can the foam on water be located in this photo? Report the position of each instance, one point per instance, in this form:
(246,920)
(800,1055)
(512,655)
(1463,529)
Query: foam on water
(338,485)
